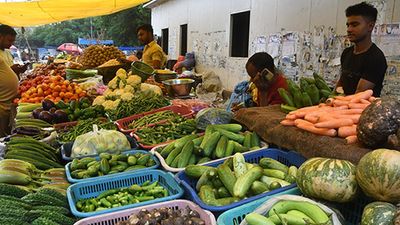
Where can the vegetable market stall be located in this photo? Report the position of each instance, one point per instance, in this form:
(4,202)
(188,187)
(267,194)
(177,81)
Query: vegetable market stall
(266,122)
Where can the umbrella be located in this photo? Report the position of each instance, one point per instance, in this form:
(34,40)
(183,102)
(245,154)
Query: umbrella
(70,48)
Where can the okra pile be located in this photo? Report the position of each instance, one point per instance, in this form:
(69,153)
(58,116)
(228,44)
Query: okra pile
(170,130)
(123,196)
(236,179)
(109,164)
(219,141)
(167,115)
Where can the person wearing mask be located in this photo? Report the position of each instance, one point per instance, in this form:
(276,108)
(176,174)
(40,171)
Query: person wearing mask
(363,65)
(8,78)
(153,54)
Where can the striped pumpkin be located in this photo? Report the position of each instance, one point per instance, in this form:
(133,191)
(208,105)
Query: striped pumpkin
(378,213)
(329,179)
(378,174)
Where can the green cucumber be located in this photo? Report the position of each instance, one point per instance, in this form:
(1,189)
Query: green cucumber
(173,155)
(203,160)
(227,177)
(255,140)
(230,135)
(229,148)
(258,187)
(195,171)
(223,192)
(247,140)
(205,178)
(212,142)
(174,163)
(239,165)
(232,127)
(167,149)
(182,141)
(243,183)
(143,159)
(207,195)
(270,180)
(221,146)
(274,173)
(207,134)
(239,148)
(268,163)
(185,154)
(197,141)
(292,171)
(192,160)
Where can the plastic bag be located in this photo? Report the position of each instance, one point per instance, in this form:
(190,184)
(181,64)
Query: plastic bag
(212,116)
(264,208)
(96,142)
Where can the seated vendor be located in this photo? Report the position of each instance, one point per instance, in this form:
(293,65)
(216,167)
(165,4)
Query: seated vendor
(266,78)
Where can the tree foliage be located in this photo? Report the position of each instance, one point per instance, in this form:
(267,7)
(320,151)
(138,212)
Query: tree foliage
(120,27)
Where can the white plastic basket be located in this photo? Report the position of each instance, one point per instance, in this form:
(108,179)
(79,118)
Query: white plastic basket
(113,218)
(176,170)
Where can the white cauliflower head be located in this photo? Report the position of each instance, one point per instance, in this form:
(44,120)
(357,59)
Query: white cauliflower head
(134,80)
(121,73)
(129,89)
(126,96)
(113,83)
(99,100)
(149,87)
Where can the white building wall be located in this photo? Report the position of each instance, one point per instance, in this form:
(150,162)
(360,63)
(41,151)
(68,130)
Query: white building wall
(209,26)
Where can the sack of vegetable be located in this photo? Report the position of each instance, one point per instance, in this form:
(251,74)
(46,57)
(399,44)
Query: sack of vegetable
(212,116)
(292,209)
(99,141)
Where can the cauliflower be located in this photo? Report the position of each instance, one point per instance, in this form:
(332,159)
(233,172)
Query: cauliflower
(134,80)
(108,93)
(121,73)
(110,105)
(129,89)
(122,84)
(149,87)
(99,100)
(113,83)
(126,96)
(118,92)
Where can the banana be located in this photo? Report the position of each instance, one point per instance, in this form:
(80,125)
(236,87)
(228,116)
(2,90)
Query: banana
(311,210)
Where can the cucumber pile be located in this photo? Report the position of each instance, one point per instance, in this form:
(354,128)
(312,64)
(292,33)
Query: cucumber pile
(109,164)
(310,92)
(290,212)
(219,141)
(236,179)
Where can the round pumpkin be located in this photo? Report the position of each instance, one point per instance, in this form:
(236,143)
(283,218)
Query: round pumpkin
(378,213)
(329,179)
(378,174)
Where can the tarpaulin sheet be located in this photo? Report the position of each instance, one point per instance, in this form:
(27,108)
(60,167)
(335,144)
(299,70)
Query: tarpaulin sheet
(25,14)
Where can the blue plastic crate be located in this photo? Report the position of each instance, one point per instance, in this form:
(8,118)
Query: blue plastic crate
(66,149)
(92,189)
(236,215)
(287,158)
(73,180)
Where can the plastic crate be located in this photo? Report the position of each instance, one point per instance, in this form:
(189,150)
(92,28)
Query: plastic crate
(91,189)
(113,218)
(287,158)
(236,215)
(123,124)
(66,149)
(176,170)
(73,180)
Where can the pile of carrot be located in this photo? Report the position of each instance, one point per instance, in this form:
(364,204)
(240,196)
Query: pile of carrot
(338,116)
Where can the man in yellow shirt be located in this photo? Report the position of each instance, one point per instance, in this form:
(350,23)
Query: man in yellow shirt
(8,78)
(153,54)
(7,39)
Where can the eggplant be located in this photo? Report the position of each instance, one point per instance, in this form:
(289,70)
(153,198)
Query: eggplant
(46,116)
(52,110)
(48,104)
(36,112)
(60,116)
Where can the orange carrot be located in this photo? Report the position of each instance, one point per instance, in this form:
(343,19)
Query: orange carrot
(311,118)
(358,105)
(344,98)
(338,102)
(364,101)
(354,117)
(307,126)
(340,107)
(326,117)
(305,109)
(287,122)
(351,139)
(362,95)
(348,111)
(291,117)
(335,123)
(347,131)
